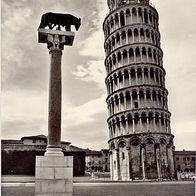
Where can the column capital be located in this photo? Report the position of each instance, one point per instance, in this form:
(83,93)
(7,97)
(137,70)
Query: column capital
(157,145)
(168,146)
(55,39)
(128,148)
(143,145)
(55,42)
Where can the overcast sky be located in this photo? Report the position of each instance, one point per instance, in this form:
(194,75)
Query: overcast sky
(25,71)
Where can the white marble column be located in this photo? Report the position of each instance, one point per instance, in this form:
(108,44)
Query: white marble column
(133,121)
(157,149)
(143,162)
(127,125)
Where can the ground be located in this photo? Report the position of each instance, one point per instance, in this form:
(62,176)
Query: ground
(115,189)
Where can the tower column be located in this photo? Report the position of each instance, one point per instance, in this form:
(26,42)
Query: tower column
(143,81)
(118,164)
(121,128)
(154,124)
(143,17)
(131,17)
(119,104)
(145,101)
(160,127)
(157,149)
(125,102)
(140,123)
(111,165)
(148,124)
(138,99)
(143,161)
(127,125)
(123,79)
(133,121)
(129,77)
(131,100)
(136,77)
(118,83)
(128,162)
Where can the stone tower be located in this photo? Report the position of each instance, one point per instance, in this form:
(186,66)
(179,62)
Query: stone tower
(141,143)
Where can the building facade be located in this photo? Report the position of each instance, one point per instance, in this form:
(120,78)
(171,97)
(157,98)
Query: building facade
(97,161)
(185,161)
(140,139)
(18,156)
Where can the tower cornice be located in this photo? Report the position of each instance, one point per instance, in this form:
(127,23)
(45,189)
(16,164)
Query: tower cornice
(139,87)
(130,65)
(140,110)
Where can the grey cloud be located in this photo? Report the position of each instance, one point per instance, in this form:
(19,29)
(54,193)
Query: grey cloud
(32,75)
(17,129)
(93,135)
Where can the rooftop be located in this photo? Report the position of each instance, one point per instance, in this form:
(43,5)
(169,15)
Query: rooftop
(92,152)
(185,152)
(34,137)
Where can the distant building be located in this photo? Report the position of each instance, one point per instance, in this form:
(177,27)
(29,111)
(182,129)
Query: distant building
(185,161)
(97,161)
(105,160)
(18,156)
(34,140)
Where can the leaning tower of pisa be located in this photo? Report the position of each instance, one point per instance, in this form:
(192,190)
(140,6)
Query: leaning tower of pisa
(140,139)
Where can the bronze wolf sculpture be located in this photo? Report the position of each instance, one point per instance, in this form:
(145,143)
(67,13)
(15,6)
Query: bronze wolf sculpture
(65,20)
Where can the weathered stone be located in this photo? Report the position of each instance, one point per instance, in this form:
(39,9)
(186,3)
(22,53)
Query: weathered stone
(54,175)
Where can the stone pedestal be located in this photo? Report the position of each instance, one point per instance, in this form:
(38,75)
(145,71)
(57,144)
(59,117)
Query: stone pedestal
(54,176)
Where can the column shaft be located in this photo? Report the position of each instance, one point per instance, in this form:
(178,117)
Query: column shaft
(55,88)
(143,163)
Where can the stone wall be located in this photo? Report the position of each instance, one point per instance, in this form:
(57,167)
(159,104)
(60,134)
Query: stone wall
(16,162)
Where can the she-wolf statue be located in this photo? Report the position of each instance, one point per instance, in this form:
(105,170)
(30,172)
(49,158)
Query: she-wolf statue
(65,20)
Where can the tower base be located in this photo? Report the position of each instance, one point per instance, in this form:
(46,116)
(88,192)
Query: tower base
(142,156)
(54,176)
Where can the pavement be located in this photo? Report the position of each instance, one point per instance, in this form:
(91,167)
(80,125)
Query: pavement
(183,188)
(86,186)
(22,180)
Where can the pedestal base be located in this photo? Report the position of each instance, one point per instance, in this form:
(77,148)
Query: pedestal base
(54,176)
(54,152)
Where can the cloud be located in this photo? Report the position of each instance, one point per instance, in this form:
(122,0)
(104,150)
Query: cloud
(23,111)
(18,128)
(92,134)
(27,114)
(92,46)
(92,72)
(185,134)
(20,61)
(84,113)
